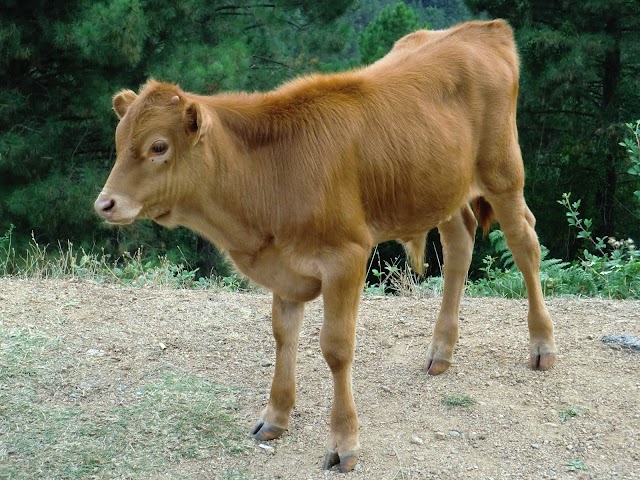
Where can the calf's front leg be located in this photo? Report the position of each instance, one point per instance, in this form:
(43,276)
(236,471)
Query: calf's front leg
(287,320)
(341,292)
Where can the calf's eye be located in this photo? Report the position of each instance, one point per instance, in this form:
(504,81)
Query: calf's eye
(159,147)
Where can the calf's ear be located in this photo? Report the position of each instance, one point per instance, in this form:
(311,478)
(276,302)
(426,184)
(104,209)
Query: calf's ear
(122,100)
(197,121)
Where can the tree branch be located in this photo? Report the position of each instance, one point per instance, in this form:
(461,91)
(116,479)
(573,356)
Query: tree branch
(557,112)
(275,62)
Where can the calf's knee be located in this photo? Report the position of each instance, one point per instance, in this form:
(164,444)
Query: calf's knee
(337,352)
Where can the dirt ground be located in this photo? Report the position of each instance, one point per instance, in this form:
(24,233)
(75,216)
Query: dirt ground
(515,428)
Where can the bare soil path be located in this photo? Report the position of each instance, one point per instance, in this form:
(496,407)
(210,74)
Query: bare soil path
(581,419)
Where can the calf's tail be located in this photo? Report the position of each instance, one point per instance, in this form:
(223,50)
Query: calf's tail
(415,251)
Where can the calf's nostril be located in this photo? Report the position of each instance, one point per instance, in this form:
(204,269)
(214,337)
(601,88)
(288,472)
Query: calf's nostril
(108,205)
(104,205)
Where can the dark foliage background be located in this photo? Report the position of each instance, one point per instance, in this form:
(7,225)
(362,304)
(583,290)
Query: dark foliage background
(60,63)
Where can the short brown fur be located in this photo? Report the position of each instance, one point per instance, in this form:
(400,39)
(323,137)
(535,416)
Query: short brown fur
(299,184)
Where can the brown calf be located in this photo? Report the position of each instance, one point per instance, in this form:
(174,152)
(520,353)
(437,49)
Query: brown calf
(299,184)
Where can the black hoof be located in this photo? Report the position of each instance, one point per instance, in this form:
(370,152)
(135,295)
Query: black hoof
(265,431)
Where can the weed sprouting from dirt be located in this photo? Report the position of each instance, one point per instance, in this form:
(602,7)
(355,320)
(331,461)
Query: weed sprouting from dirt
(457,400)
(235,474)
(161,422)
(568,413)
(575,465)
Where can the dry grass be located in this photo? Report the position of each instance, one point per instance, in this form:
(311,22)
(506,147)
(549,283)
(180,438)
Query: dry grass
(137,269)
(165,420)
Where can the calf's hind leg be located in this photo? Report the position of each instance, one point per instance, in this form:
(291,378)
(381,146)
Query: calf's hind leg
(287,320)
(517,223)
(457,236)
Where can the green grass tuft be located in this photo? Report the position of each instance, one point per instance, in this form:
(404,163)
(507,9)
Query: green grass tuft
(457,400)
(568,413)
(575,465)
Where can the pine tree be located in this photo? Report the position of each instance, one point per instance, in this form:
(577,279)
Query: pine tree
(60,63)
(379,36)
(579,85)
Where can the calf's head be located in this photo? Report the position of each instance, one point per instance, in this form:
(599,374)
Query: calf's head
(160,135)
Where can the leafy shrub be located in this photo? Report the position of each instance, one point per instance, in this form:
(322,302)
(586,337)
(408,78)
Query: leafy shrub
(503,279)
(632,145)
(607,266)
(612,273)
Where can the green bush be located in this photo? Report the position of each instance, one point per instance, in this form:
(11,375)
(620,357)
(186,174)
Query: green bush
(607,267)
(632,145)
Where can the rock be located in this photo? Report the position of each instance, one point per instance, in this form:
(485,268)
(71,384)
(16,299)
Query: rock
(623,340)
(535,446)
(267,448)
(454,433)
(417,440)
(439,435)
(387,342)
